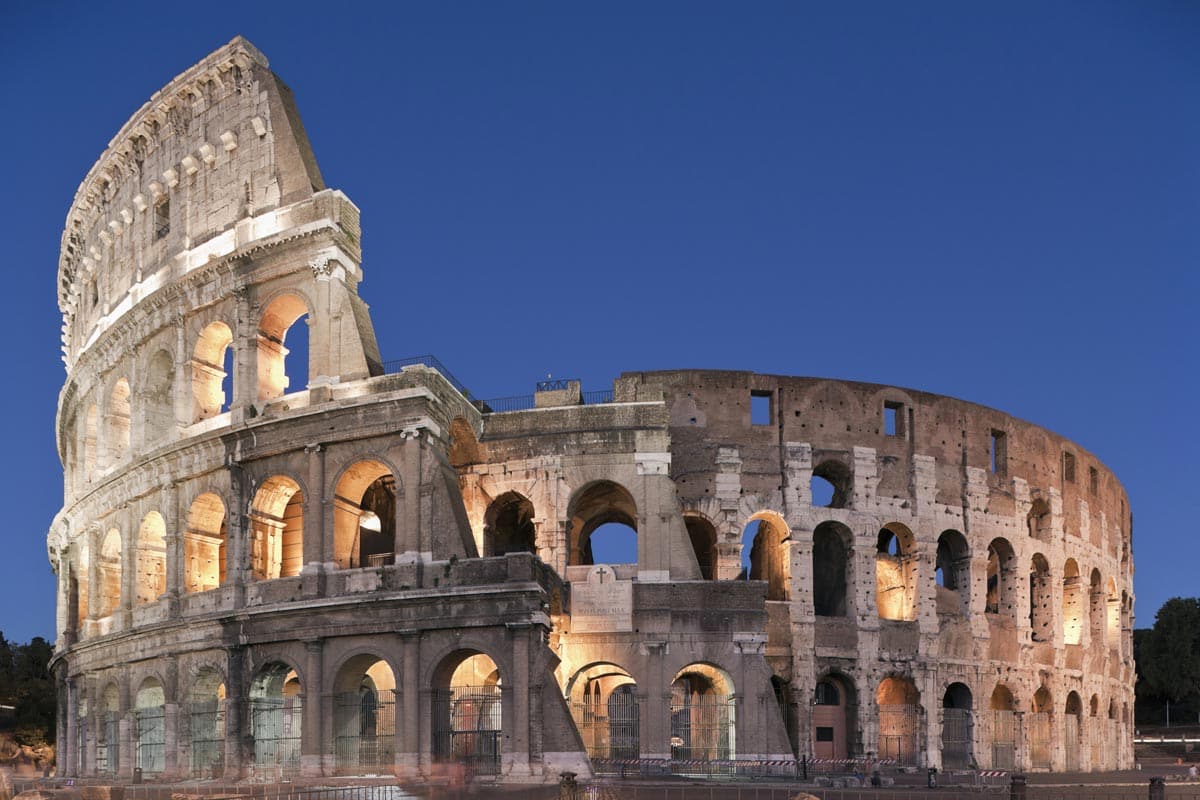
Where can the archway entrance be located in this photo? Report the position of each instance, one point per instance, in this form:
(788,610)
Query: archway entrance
(206,725)
(150,747)
(364,516)
(467,712)
(364,716)
(604,705)
(958,727)
(276,715)
(1071,728)
(108,737)
(832,718)
(899,720)
(1041,742)
(702,714)
(1004,728)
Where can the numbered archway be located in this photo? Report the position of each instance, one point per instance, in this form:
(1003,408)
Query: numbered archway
(364,716)
(276,713)
(703,718)
(958,727)
(833,716)
(206,725)
(467,712)
(605,708)
(898,702)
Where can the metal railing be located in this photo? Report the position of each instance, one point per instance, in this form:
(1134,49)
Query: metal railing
(557,384)
(432,362)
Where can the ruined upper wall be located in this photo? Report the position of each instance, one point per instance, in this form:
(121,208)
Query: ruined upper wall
(711,408)
(219,143)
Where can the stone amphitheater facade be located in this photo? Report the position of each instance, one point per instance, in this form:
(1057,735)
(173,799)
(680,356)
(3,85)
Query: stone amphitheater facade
(374,573)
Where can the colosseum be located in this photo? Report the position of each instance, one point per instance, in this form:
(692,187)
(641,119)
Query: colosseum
(311,562)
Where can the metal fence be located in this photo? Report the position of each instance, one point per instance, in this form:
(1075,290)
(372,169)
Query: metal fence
(1004,740)
(364,731)
(898,727)
(957,725)
(702,728)
(151,748)
(275,725)
(1041,743)
(108,744)
(466,727)
(433,363)
(610,730)
(206,734)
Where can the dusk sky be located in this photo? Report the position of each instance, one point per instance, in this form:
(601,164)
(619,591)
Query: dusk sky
(994,201)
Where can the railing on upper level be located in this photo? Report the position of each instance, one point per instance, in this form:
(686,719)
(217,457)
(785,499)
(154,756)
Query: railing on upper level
(433,363)
(498,405)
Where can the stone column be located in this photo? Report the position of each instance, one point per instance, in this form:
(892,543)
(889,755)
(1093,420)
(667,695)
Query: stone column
(65,719)
(129,537)
(171,763)
(127,728)
(654,699)
(318,548)
(314,704)
(516,751)
(237,532)
(410,710)
(175,520)
(236,714)
(245,358)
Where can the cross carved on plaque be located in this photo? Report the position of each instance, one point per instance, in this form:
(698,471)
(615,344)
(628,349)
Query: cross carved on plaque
(601,571)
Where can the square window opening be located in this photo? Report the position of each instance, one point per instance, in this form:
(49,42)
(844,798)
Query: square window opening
(760,408)
(162,219)
(1069,467)
(998,453)
(893,419)
(1093,480)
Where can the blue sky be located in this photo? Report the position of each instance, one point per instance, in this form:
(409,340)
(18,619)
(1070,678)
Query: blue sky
(995,201)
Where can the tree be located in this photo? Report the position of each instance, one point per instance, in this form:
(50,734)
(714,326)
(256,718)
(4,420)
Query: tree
(1170,651)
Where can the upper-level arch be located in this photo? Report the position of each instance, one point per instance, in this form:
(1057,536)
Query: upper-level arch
(276,320)
(277,529)
(364,515)
(593,505)
(896,573)
(211,367)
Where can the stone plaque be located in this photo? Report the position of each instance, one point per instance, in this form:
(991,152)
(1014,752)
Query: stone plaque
(603,603)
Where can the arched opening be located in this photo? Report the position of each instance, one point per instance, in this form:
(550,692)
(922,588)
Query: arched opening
(833,715)
(1097,613)
(607,505)
(364,716)
(508,526)
(157,399)
(830,559)
(702,714)
(108,733)
(276,706)
(952,574)
(212,371)
(703,536)
(1072,603)
(206,725)
(766,559)
(896,573)
(1038,520)
(1002,574)
(364,516)
(1095,735)
(831,484)
(91,430)
(1004,728)
(110,573)
(204,544)
(899,705)
(277,529)
(150,728)
(80,569)
(282,368)
(467,717)
(1041,727)
(117,421)
(958,727)
(604,705)
(1072,727)
(151,577)
(1041,600)
(1113,737)
(1113,629)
